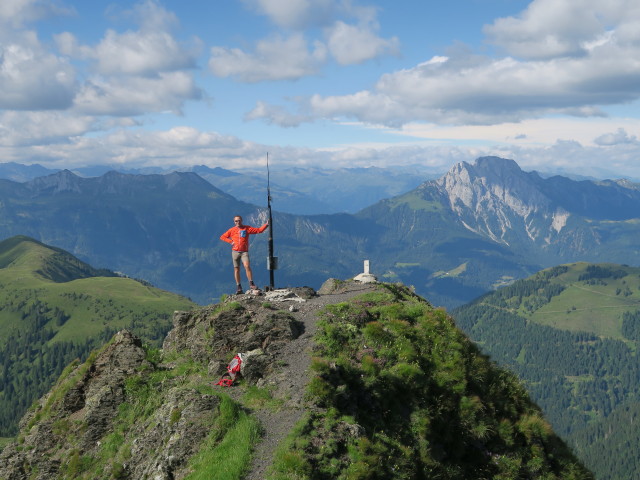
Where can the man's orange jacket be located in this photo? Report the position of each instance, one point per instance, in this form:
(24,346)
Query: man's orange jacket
(238,237)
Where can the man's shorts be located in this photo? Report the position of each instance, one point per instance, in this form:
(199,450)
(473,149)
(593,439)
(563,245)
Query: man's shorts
(238,257)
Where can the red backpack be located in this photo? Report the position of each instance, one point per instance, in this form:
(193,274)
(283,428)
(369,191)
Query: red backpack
(233,369)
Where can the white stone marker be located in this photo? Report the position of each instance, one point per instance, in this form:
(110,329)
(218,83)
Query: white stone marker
(366,277)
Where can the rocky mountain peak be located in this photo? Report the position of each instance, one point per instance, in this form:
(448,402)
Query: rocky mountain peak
(495,198)
(492,182)
(497,166)
(59,182)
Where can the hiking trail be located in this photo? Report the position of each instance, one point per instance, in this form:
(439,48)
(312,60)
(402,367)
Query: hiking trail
(290,387)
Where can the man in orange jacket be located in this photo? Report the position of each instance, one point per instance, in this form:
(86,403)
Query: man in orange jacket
(238,237)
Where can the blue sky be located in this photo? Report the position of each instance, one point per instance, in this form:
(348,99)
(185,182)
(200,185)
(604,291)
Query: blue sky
(552,84)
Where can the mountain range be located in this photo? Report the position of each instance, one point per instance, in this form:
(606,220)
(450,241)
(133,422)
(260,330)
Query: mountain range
(298,190)
(478,227)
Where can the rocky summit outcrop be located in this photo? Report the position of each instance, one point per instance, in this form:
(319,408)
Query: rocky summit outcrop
(213,335)
(132,412)
(82,406)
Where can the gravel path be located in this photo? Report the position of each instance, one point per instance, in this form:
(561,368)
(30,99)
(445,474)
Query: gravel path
(290,384)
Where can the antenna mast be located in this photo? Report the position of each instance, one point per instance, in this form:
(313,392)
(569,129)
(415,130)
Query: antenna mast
(272,262)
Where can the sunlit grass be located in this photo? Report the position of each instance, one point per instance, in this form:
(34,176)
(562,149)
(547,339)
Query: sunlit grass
(227,457)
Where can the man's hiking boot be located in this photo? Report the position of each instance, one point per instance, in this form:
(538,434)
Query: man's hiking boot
(253,286)
(239,290)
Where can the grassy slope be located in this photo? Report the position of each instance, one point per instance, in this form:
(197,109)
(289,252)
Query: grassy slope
(44,324)
(400,392)
(588,306)
(90,303)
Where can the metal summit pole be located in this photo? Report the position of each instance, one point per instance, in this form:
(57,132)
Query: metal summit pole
(272,262)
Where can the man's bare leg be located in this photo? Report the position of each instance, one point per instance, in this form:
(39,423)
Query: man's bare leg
(236,275)
(247,268)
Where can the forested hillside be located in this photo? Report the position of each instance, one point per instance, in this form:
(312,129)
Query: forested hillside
(56,309)
(571,333)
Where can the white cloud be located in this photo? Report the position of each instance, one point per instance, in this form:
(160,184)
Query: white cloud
(17,13)
(296,14)
(135,72)
(32,78)
(152,16)
(274,115)
(57,140)
(533,132)
(555,28)
(147,51)
(19,129)
(178,146)
(619,137)
(141,53)
(130,53)
(286,55)
(351,44)
(136,95)
(465,88)
(275,58)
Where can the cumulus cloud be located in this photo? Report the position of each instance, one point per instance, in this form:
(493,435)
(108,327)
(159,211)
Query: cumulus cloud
(131,53)
(296,14)
(275,58)
(32,78)
(136,95)
(135,72)
(586,66)
(186,146)
(20,129)
(290,55)
(149,50)
(350,44)
(274,115)
(175,147)
(555,28)
(17,13)
(619,137)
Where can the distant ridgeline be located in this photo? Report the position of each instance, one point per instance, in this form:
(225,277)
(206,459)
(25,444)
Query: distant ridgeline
(572,333)
(54,309)
(397,392)
(478,227)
